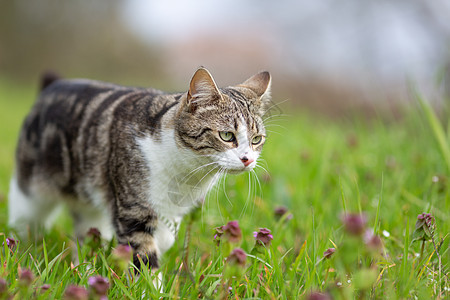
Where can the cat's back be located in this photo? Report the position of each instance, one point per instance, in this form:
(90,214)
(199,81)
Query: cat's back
(72,95)
(66,103)
(71,122)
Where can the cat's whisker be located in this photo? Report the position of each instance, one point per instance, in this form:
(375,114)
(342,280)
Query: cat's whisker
(271,127)
(211,186)
(225,190)
(244,208)
(261,167)
(204,176)
(217,195)
(259,183)
(191,173)
(251,198)
(255,192)
(274,132)
(208,187)
(262,160)
(275,125)
(277,105)
(265,120)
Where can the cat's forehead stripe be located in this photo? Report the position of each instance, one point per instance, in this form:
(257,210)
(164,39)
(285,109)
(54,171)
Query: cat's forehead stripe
(242,105)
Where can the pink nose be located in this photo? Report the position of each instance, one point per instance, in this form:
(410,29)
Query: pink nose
(246,161)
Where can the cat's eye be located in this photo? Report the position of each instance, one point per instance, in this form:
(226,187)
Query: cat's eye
(256,140)
(227,136)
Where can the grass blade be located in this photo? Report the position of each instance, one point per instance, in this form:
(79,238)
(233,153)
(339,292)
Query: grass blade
(342,196)
(376,224)
(436,128)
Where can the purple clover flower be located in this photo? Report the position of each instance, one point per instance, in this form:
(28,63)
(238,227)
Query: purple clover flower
(74,292)
(425,226)
(3,286)
(218,234)
(328,253)
(93,238)
(11,243)
(99,285)
(26,277)
(280,211)
(263,237)
(372,241)
(95,235)
(318,296)
(354,224)
(232,232)
(237,257)
(123,252)
(428,219)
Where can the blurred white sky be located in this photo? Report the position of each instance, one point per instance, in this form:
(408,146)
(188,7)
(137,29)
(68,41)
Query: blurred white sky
(387,40)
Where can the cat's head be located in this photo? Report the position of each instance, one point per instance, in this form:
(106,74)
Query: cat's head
(224,124)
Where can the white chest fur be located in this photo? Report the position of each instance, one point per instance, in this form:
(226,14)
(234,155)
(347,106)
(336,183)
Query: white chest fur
(178,181)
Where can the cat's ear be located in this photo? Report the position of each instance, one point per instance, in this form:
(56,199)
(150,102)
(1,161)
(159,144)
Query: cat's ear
(202,86)
(259,83)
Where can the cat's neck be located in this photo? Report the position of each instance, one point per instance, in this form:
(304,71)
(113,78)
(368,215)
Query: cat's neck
(178,178)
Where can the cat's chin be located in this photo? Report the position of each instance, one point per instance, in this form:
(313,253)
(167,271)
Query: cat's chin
(239,171)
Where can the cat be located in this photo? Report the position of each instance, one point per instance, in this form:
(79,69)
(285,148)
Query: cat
(133,161)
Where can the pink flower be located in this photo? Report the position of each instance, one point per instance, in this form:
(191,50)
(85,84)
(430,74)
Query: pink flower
(26,277)
(232,232)
(428,219)
(93,238)
(329,252)
(372,241)
(425,226)
(3,287)
(94,232)
(99,285)
(280,211)
(237,257)
(354,224)
(45,287)
(318,296)
(218,234)
(11,243)
(123,252)
(263,237)
(74,292)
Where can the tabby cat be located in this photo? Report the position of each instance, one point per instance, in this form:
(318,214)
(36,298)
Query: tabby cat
(133,161)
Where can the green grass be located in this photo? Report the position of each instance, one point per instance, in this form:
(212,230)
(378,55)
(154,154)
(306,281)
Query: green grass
(318,168)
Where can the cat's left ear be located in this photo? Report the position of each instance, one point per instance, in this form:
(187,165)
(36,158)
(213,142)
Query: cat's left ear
(202,86)
(260,85)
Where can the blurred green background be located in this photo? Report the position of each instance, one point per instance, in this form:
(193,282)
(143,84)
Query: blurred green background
(324,55)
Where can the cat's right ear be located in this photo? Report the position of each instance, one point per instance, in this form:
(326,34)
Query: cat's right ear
(202,86)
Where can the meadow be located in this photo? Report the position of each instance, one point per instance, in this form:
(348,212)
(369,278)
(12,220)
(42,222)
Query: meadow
(357,208)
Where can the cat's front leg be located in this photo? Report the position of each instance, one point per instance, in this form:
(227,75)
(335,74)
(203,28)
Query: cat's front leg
(137,230)
(139,233)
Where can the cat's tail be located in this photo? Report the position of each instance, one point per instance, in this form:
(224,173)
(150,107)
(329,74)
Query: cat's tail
(48,78)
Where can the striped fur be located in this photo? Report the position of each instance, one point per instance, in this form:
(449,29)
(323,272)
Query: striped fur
(132,161)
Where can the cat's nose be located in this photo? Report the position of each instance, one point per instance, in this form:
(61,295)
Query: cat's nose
(246,161)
